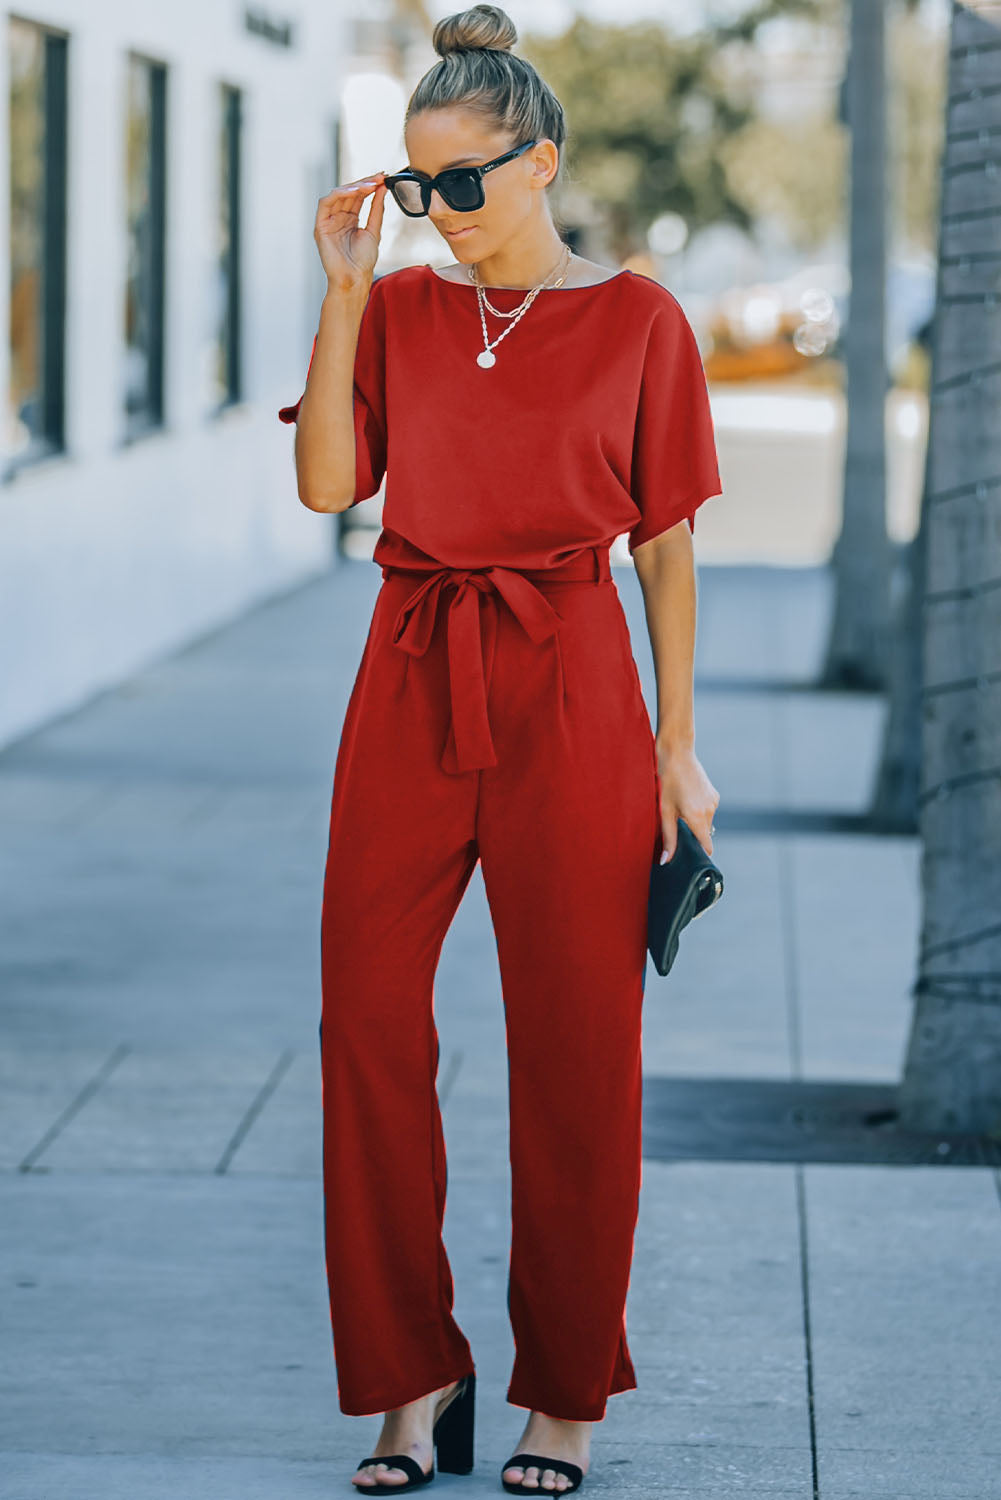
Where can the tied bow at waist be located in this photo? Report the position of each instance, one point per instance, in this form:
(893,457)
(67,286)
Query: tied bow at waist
(415,623)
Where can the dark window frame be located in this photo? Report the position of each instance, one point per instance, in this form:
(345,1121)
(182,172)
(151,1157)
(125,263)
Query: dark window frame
(138,425)
(50,440)
(232,206)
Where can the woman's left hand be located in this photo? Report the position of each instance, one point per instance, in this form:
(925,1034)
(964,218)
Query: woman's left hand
(687,792)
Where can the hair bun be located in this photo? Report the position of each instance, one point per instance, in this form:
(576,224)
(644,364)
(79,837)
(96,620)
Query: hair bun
(482,28)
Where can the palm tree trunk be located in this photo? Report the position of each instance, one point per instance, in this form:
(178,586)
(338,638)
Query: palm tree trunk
(952,1072)
(894,807)
(858,648)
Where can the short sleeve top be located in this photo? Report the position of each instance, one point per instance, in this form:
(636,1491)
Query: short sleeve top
(594,421)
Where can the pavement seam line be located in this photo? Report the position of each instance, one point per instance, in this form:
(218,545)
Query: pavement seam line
(261,1098)
(75,1105)
(804,1273)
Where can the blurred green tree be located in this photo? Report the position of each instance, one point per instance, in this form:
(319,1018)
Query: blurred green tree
(648,115)
(660,123)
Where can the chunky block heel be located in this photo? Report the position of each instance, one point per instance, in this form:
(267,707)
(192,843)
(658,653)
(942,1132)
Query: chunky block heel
(453,1432)
(451,1439)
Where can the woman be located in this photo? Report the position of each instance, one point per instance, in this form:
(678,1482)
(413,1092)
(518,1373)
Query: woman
(524,417)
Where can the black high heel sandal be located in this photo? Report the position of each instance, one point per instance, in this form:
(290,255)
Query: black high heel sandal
(451,1440)
(538,1461)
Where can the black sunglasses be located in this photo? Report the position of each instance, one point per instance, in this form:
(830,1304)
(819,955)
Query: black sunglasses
(460,187)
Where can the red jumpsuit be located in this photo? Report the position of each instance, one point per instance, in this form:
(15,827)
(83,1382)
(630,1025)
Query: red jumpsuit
(497,716)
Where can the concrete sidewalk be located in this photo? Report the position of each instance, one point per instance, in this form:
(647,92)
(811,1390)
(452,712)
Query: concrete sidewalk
(799,1329)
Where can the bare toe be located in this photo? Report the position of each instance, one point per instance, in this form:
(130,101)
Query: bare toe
(370,1475)
(394,1476)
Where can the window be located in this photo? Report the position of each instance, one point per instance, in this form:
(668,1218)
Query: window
(35,393)
(226,375)
(145,198)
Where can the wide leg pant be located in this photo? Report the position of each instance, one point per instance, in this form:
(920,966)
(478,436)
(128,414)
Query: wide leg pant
(472,733)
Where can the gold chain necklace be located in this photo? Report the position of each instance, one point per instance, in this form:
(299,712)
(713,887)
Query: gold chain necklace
(487,357)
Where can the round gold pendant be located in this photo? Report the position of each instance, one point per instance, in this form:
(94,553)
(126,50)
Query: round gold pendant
(486,359)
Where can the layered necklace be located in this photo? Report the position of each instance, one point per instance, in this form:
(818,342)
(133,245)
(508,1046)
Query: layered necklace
(487,357)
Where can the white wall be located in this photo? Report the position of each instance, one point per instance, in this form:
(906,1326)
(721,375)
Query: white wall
(111,556)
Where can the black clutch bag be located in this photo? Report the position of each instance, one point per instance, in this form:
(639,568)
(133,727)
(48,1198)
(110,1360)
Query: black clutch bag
(683,888)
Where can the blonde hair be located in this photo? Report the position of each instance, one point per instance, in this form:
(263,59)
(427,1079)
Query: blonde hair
(479,72)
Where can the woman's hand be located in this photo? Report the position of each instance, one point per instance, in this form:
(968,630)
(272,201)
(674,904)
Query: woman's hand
(348,250)
(687,792)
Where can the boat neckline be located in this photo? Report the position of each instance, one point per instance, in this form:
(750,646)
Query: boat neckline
(592,286)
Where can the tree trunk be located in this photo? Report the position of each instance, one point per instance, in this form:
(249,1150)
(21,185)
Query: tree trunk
(858,649)
(895,801)
(952,1073)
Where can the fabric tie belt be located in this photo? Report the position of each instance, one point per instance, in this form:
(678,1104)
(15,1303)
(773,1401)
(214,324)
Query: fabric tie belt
(470,745)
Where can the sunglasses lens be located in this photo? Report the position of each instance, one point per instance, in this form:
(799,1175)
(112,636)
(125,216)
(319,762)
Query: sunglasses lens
(408,196)
(461,190)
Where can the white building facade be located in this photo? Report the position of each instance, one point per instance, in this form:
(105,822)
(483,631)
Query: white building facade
(162,165)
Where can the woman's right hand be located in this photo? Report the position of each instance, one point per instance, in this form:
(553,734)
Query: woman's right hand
(349,250)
